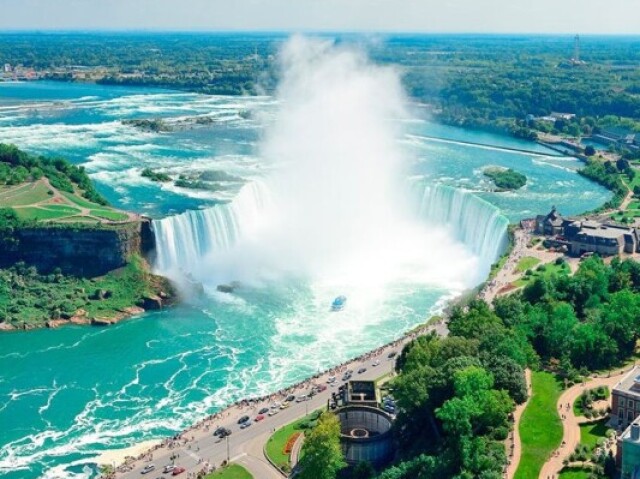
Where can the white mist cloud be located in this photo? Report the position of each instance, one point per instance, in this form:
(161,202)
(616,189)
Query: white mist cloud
(338,211)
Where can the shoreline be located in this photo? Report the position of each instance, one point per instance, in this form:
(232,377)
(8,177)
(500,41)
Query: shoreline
(146,448)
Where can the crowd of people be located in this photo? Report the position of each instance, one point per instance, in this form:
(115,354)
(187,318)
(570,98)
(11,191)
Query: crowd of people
(186,438)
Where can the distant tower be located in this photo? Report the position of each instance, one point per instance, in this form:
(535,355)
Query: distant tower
(576,49)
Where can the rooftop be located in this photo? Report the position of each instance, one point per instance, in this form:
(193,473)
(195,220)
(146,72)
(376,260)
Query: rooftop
(630,383)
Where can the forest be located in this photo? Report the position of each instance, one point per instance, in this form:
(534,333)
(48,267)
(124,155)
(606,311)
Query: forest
(483,81)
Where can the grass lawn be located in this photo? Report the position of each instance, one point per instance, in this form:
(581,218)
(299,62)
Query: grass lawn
(35,213)
(540,425)
(277,441)
(528,262)
(234,471)
(550,269)
(109,215)
(24,195)
(79,200)
(574,473)
(591,432)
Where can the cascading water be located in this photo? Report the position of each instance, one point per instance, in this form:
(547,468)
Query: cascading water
(183,240)
(473,221)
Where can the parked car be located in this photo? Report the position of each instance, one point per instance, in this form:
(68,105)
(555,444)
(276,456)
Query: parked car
(376,363)
(332,379)
(218,431)
(168,468)
(178,470)
(225,432)
(243,419)
(301,398)
(273,412)
(361,370)
(290,398)
(321,388)
(264,410)
(147,469)
(246,424)
(285,405)
(392,354)
(259,417)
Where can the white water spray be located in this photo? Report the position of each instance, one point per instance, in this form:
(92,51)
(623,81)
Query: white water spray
(337,211)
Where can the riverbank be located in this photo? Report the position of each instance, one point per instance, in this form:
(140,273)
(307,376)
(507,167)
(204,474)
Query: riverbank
(375,361)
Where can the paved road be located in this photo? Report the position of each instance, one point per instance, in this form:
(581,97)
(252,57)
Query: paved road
(246,446)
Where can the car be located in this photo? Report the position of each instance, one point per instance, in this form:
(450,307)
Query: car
(361,370)
(225,432)
(178,470)
(301,398)
(168,468)
(290,398)
(243,419)
(259,417)
(321,388)
(376,363)
(264,410)
(276,405)
(148,468)
(332,405)
(273,412)
(346,377)
(311,393)
(389,408)
(392,354)
(219,431)
(285,405)
(331,379)
(246,424)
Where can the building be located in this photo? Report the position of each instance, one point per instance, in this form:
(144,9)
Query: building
(587,236)
(604,239)
(363,393)
(618,136)
(365,435)
(628,455)
(625,400)
(550,225)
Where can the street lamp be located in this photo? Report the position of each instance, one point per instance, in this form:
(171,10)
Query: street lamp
(228,456)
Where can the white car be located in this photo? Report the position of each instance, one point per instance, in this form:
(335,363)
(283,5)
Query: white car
(376,363)
(147,469)
(332,379)
(301,398)
(273,412)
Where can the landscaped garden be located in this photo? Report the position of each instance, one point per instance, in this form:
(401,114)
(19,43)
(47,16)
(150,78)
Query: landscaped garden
(540,426)
(278,447)
(558,267)
(234,471)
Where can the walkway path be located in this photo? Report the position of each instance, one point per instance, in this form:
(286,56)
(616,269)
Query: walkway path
(571,423)
(508,273)
(197,448)
(513,441)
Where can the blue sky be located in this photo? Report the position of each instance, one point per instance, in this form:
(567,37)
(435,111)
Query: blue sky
(489,16)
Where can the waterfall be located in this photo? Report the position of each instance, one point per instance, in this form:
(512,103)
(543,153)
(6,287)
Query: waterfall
(183,240)
(473,221)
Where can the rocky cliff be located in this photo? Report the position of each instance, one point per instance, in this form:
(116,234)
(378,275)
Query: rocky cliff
(80,251)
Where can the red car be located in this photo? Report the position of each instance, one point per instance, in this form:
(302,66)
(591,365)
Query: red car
(321,387)
(178,470)
(259,417)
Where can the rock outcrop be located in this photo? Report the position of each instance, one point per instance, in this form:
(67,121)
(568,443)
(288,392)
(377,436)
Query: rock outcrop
(80,251)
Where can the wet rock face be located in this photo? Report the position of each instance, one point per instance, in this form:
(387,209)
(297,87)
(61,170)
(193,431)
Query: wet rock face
(86,252)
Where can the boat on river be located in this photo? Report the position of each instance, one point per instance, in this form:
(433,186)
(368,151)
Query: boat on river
(339,303)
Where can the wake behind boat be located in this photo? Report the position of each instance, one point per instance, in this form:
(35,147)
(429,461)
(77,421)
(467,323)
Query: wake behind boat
(339,303)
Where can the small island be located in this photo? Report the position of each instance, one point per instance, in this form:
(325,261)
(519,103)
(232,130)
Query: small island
(155,176)
(505,179)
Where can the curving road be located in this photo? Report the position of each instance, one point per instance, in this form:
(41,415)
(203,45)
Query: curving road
(245,446)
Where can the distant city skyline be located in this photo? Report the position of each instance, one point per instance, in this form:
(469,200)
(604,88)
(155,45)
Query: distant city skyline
(419,16)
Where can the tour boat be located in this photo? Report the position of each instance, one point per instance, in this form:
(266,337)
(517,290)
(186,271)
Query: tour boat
(338,303)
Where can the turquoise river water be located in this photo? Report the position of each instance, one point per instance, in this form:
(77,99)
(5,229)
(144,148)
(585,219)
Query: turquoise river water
(70,393)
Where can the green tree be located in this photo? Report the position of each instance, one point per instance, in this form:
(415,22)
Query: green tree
(363,470)
(322,458)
